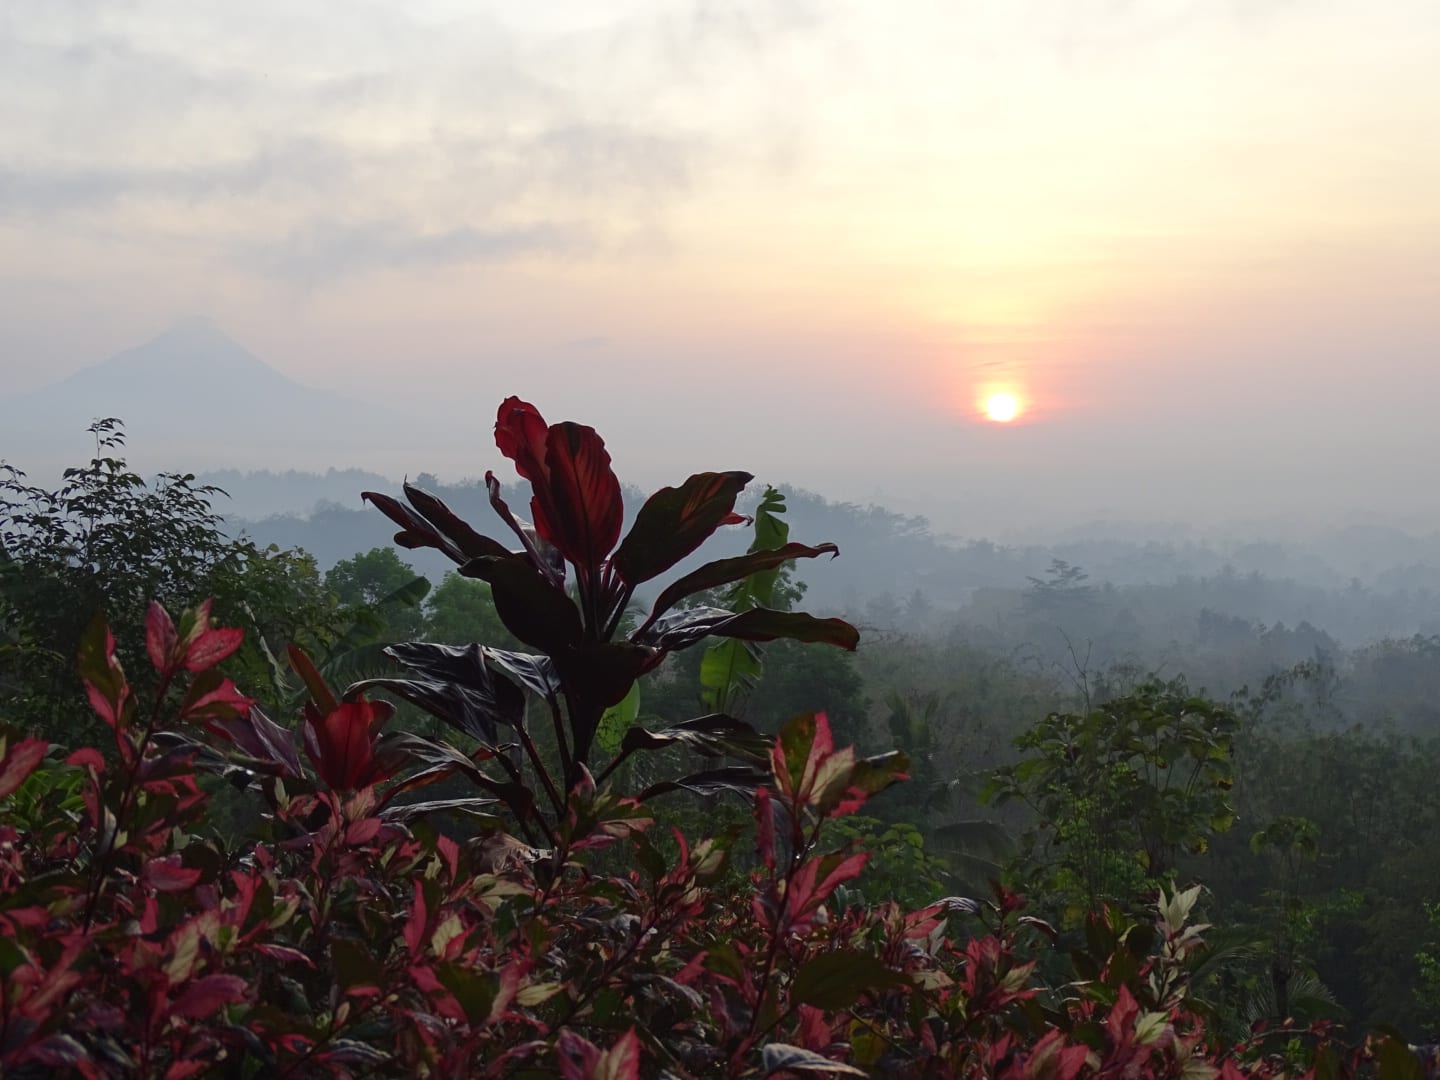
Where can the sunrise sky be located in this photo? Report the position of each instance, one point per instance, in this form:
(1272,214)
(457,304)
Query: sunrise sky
(1199,242)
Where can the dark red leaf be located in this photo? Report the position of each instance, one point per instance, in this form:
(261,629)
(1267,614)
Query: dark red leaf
(681,629)
(578,1056)
(520,433)
(742,779)
(470,543)
(340,743)
(675,521)
(415,531)
(415,925)
(260,738)
(581,512)
(534,610)
(319,692)
(724,571)
(205,995)
(542,553)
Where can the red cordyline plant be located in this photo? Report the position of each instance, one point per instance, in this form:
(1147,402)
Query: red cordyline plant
(584,665)
(346,937)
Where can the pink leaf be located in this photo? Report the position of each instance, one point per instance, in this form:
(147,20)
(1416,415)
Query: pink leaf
(179,1070)
(111,710)
(168,875)
(1122,1015)
(87,758)
(223,702)
(20,761)
(160,638)
(284,953)
(211,647)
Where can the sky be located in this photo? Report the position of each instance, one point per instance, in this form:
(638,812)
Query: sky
(1198,241)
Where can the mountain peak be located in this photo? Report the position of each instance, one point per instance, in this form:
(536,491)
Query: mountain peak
(191,347)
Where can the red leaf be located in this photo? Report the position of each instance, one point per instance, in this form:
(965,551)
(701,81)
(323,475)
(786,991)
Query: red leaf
(205,995)
(520,433)
(211,647)
(340,742)
(581,513)
(160,638)
(87,758)
(675,521)
(223,702)
(285,953)
(362,832)
(19,762)
(319,693)
(168,875)
(107,710)
(1122,1014)
(816,880)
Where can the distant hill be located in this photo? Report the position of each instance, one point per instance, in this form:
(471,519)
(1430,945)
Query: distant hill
(192,398)
(263,493)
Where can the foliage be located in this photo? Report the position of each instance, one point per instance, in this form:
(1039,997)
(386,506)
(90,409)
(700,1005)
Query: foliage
(108,540)
(379,580)
(1119,793)
(730,668)
(351,937)
(461,610)
(585,665)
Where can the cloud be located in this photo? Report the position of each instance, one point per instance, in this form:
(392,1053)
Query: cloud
(327,250)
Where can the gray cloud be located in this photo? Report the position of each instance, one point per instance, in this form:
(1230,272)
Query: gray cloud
(286,142)
(327,250)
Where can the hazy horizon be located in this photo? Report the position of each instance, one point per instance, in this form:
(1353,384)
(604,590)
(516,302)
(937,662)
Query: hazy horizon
(1198,242)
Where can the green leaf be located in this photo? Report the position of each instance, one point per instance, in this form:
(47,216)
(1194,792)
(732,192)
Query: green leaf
(616,719)
(726,667)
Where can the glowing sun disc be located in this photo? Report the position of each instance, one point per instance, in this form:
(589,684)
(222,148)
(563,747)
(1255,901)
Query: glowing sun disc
(1002,408)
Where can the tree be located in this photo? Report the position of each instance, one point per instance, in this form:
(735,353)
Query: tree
(373,579)
(1119,793)
(107,540)
(461,610)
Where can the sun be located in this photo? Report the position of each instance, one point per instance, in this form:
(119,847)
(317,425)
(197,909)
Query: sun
(1002,408)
